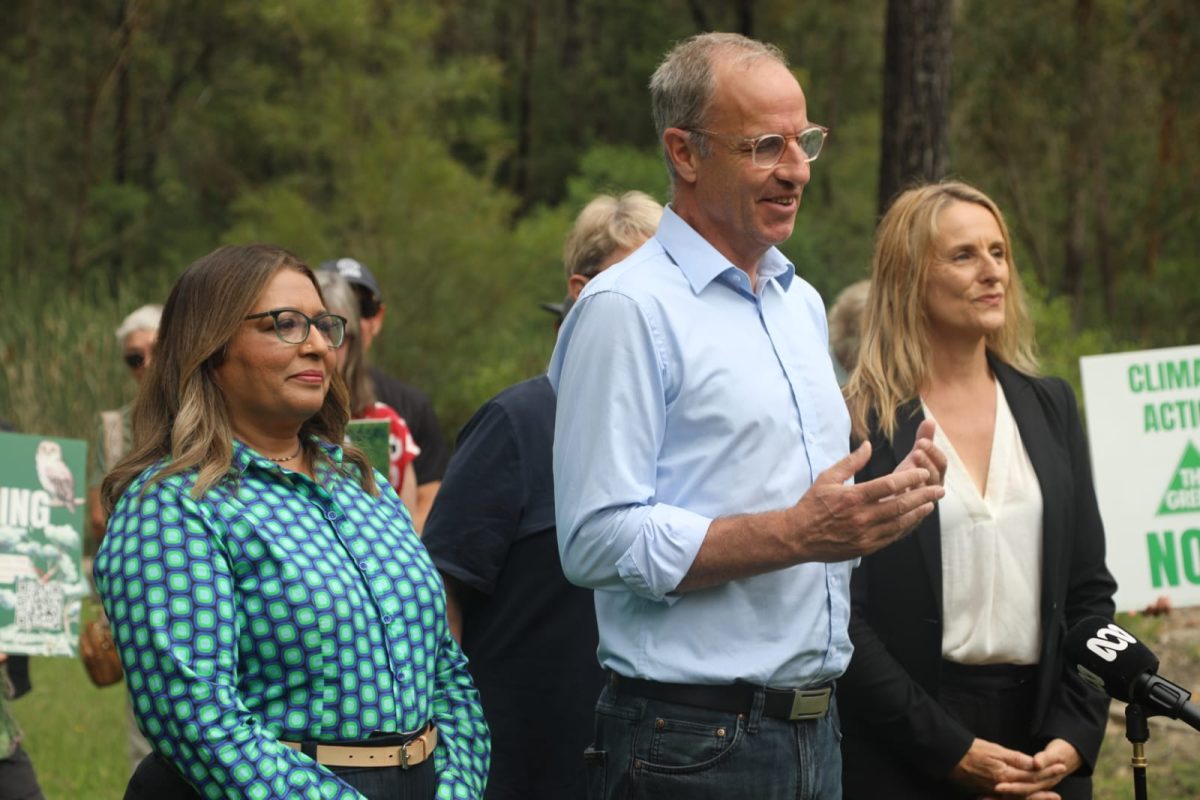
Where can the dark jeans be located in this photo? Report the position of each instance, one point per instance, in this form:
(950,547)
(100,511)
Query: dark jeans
(155,779)
(650,750)
(17,778)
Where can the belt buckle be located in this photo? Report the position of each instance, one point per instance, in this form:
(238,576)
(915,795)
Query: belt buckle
(809,704)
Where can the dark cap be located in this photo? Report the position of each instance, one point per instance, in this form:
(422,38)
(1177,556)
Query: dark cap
(355,272)
(559,309)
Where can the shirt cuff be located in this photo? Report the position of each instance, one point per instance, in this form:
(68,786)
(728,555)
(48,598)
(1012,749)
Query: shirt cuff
(663,551)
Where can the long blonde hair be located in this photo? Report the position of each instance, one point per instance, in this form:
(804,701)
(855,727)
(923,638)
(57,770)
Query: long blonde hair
(180,411)
(893,362)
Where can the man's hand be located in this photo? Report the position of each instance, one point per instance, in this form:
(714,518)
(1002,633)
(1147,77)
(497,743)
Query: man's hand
(836,522)
(993,772)
(832,522)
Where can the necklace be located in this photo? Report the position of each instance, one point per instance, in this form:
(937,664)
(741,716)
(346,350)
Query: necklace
(299,447)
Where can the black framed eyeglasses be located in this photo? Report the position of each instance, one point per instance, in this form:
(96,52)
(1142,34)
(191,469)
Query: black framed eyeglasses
(292,325)
(134,360)
(767,150)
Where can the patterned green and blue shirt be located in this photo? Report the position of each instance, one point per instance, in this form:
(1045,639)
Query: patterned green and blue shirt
(275,607)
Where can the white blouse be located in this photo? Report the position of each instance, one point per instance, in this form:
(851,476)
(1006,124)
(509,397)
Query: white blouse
(991,552)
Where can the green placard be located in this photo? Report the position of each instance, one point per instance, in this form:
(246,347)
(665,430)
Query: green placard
(42,503)
(371,436)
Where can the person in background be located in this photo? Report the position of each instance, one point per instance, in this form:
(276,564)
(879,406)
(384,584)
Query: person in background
(700,460)
(136,335)
(18,780)
(282,628)
(958,686)
(352,363)
(407,400)
(845,326)
(492,535)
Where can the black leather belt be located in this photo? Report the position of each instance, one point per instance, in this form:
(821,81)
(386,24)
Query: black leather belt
(736,698)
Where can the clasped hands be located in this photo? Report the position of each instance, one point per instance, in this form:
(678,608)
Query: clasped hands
(997,773)
(847,521)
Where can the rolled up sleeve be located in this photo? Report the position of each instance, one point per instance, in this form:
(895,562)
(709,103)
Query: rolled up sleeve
(612,382)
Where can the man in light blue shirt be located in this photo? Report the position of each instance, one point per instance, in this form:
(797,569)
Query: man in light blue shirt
(700,460)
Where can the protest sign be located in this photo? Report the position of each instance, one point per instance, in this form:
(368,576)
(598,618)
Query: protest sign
(1143,414)
(42,496)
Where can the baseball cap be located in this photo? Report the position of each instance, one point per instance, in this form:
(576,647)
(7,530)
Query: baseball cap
(559,309)
(355,272)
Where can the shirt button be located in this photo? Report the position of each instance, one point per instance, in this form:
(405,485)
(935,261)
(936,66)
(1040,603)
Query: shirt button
(363,564)
(387,618)
(331,515)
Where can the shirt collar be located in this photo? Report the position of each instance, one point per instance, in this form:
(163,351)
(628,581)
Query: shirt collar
(701,263)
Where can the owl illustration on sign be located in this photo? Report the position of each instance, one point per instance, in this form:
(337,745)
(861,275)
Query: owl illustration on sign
(55,476)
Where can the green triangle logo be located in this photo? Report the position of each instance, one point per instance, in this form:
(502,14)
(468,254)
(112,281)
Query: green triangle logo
(1183,495)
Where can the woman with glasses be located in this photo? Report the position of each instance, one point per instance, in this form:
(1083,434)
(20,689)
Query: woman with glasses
(352,363)
(282,628)
(958,687)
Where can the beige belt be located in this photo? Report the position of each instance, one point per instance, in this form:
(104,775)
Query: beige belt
(396,755)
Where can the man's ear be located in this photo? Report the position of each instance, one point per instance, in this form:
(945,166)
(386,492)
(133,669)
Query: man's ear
(575,285)
(678,146)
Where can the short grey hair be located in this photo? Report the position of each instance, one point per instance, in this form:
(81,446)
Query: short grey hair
(146,318)
(681,88)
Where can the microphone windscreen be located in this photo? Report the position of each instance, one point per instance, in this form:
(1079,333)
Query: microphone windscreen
(1107,656)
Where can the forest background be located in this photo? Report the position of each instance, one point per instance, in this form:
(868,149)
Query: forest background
(449,145)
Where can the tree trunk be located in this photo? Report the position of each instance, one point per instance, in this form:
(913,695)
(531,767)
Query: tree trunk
(916,95)
(121,126)
(745,18)
(522,180)
(1080,132)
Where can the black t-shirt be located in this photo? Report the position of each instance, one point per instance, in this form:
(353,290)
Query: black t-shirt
(413,404)
(529,634)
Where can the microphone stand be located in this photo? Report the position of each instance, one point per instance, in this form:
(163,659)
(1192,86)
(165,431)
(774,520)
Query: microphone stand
(1137,731)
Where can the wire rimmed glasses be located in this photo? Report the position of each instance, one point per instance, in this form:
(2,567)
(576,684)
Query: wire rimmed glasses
(767,150)
(292,325)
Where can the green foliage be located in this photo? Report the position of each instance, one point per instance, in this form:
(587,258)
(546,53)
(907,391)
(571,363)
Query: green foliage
(449,145)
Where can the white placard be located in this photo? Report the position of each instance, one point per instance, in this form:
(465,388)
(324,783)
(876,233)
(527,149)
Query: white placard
(1143,420)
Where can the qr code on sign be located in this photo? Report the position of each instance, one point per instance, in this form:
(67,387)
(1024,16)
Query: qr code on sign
(40,606)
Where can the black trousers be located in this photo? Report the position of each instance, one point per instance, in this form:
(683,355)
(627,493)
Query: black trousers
(156,779)
(17,778)
(994,702)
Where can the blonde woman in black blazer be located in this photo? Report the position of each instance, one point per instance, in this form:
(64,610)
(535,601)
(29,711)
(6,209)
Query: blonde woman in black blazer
(958,687)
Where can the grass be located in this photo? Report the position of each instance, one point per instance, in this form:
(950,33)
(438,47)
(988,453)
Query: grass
(74,732)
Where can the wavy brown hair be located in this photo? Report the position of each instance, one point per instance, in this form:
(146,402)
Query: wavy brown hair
(180,414)
(893,362)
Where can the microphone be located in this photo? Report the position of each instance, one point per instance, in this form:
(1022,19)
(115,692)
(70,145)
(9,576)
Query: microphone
(1113,661)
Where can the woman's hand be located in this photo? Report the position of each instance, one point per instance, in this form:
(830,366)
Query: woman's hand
(991,770)
(926,455)
(1057,761)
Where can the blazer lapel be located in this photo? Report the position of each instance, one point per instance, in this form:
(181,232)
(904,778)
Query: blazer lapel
(929,533)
